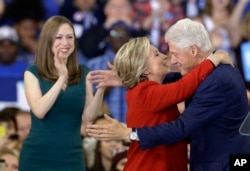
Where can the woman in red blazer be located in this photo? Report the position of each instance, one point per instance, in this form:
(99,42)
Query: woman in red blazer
(212,116)
(142,68)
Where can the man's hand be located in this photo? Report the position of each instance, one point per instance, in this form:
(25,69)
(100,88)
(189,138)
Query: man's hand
(114,130)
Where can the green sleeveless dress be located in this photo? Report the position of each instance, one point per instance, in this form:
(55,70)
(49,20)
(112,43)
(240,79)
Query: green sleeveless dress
(54,142)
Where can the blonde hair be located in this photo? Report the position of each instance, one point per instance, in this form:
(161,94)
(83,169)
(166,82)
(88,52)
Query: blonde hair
(131,61)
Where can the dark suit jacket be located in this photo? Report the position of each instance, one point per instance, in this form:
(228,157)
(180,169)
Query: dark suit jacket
(212,120)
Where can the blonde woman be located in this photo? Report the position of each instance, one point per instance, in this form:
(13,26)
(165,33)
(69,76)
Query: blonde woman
(142,69)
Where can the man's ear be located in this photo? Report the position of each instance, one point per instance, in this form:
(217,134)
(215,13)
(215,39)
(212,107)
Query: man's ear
(194,50)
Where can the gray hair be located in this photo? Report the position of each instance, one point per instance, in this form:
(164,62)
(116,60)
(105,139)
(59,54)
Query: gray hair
(187,32)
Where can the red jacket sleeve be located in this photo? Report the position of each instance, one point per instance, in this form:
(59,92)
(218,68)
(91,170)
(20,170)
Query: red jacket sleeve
(160,96)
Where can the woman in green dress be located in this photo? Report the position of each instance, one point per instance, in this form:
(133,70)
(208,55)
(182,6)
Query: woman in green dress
(59,95)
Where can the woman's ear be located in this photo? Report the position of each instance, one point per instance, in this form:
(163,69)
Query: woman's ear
(145,73)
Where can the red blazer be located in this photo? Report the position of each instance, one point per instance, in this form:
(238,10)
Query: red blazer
(211,120)
(151,103)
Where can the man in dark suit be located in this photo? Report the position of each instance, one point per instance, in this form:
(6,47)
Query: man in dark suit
(215,111)
(213,114)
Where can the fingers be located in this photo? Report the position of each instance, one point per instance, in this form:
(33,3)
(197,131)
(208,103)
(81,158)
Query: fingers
(96,72)
(97,127)
(57,59)
(95,135)
(110,66)
(99,132)
(108,118)
(101,137)
(96,76)
(94,132)
(57,53)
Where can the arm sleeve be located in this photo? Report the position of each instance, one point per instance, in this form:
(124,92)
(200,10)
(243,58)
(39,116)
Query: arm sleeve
(207,104)
(165,95)
(172,77)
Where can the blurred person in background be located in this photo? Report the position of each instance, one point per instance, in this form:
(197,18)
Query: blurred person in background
(51,8)
(11,110)
(27,18)
(119,159)
(163,14)
(10,157)
(140,11)
(2,6)
(10,139)
(242,51)
(119,34)
(11,62)
(23,120)
(104,150)
(246,9)
(84,17)
(89,143)
(222,19)
(93,42)
(12,65)
(192,8)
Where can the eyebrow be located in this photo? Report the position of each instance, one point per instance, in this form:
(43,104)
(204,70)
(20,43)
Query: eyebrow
(71,34)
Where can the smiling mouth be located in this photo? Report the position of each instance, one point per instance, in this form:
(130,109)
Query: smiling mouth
(64,50)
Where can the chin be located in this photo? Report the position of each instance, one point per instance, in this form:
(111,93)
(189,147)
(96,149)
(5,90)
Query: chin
(167,72)
(65,56)
(183,72)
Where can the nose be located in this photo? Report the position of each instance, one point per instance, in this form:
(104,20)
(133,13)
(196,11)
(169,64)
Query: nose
(64,41)
(173,60)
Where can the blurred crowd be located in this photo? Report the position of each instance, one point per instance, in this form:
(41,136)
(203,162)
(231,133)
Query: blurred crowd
(15,125)
(102,27)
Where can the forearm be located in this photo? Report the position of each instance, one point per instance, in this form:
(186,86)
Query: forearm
(207,104)
(92,109)
(236,16)
(235,20)
(148,22)
(161,134)
(44,104)
(2,6)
